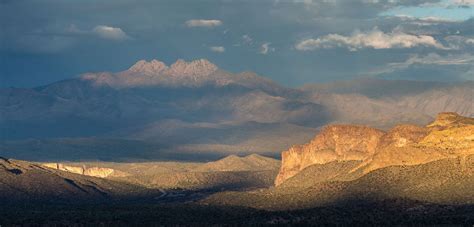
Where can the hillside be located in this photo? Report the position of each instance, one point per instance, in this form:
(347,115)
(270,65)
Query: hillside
(26,181)
(447,181)
(232,172)
(346,165)
(449,136)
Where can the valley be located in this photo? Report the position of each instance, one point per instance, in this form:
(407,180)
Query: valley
(403,175)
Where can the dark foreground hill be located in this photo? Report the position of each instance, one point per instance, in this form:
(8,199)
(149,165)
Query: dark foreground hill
(346,175)
(439,192)
(22,181)
(448,181)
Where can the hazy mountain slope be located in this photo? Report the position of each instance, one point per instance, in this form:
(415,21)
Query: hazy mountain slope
(76,149)
(197,108)
(222,138)
(376,88)
(383,103)
(20,180)
(165,140)
(92,105)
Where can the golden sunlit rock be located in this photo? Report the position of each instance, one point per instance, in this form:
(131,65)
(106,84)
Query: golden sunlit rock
(450,135)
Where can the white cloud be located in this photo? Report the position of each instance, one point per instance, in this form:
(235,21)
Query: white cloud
(463,2)
(430,20)
(430,59)
(218,49)
(112,33)
(375,39)
(459,42)
(266,48)
(247,39)
(203,23)
(73,29)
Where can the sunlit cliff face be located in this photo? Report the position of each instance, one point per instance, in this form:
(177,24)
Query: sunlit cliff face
(450,135)
(88,171)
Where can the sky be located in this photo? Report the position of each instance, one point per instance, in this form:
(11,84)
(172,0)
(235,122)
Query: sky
(293,42)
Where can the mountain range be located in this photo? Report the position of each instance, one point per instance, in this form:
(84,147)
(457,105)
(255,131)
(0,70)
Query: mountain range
(155,111)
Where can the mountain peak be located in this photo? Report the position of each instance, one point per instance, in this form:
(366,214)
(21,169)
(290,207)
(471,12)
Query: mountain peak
(193,68)
(152,67)
(200,67)
(447,119)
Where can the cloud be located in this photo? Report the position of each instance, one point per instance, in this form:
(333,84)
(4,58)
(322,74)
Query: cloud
(429,20)
(265,48)
(218,49)
(247,39)
(459,42)
(112,33)
(463,3)
(203,23)
(375,39)
(430,59)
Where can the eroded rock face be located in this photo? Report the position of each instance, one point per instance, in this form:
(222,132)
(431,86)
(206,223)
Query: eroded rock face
(450,135)
(334,143)
(92,171)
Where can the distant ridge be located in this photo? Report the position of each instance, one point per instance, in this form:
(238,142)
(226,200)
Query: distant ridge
(153,110)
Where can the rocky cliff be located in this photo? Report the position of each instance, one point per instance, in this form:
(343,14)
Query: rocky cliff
(83,170)
(449,136)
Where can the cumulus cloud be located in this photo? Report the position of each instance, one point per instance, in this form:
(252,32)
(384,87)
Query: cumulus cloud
(375,39)
(203,23)
(459,42)
(266,48)
(430,59)
(112,33)
(218,49)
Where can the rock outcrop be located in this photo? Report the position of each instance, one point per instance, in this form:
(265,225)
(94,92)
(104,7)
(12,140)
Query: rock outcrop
(449,136)
(28,182)
(92,171)
(333,143)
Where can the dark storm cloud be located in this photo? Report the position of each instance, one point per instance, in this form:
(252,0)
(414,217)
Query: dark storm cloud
(43,41)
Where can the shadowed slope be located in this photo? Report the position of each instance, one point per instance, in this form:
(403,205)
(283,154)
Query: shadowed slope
(20,180)
(448,181)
